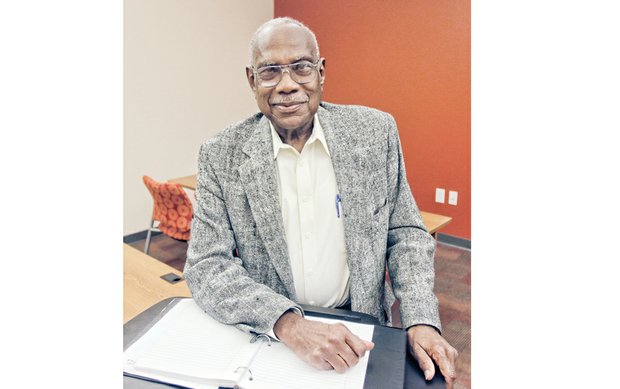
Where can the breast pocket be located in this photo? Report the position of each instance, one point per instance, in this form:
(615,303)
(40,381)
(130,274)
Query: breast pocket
(380,206)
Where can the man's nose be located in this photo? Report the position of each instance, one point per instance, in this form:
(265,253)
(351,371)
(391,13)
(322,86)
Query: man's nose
(287,84)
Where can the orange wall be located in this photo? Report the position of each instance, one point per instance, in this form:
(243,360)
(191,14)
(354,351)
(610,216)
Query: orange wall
(411,59)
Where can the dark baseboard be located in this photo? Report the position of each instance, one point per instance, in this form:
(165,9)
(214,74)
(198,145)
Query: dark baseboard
(140,235)
(454,241)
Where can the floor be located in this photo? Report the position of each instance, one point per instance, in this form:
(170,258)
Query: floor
(452,287)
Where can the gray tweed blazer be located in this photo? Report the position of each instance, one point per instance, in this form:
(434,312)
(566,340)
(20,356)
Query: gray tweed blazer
(237,261)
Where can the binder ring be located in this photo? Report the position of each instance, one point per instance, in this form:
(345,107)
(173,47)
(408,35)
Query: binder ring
(248,370)
(255,338)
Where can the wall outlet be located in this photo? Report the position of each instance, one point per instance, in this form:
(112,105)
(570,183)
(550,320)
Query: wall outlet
(440,195)
(453,197)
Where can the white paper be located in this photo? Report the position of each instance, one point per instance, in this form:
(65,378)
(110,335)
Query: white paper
(187,343)
(190,343)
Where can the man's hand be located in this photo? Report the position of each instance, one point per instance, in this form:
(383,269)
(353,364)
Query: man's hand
(324,346)
(426,346)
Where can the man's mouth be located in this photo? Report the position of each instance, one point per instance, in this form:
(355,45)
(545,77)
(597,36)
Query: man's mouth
(288,106)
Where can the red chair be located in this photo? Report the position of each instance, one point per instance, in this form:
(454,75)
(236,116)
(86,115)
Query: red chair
(172,210)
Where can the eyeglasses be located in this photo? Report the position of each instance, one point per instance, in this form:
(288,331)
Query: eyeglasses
(301,72)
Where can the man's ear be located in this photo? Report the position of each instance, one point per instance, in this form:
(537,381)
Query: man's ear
(322,70)
(249,73)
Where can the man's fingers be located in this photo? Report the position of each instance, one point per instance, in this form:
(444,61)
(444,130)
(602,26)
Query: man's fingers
(348,355)
(359,346)
(325,359)
(337,362)
(427,345)
(349,346)
(345,348)
(424,360)
(445,357)
(322,365)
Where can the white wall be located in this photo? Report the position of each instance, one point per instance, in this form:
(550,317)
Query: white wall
(184,81)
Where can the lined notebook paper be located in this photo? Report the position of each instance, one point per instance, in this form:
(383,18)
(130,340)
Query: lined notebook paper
(189,348)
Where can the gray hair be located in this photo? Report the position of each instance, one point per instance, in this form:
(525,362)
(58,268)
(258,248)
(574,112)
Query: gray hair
(278,22)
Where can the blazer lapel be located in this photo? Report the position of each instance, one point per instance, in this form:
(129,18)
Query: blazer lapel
(261,188)
(351,185)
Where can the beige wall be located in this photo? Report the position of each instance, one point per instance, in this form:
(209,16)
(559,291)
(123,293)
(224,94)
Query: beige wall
(184,81)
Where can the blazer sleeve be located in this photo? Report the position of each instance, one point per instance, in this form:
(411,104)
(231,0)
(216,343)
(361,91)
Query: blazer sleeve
(410,248)
(219,283)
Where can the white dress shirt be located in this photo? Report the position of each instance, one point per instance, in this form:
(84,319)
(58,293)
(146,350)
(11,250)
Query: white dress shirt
(313,220)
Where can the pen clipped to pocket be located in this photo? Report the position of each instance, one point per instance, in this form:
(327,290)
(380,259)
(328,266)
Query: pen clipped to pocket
(338,206)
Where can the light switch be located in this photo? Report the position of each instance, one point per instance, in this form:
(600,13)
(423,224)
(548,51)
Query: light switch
(440,195)
(453,197)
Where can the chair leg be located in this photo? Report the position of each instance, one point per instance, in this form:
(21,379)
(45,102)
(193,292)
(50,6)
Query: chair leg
(148,237)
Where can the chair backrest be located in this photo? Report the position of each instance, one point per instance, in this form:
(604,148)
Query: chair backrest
(171,207)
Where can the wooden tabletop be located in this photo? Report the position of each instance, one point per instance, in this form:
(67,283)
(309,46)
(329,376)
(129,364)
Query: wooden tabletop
(142,286)
(433,222)
(188,182)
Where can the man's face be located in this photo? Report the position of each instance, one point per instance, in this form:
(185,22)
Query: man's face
(288,105)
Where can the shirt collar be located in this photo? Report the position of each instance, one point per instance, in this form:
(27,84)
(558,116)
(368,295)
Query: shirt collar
(317,135)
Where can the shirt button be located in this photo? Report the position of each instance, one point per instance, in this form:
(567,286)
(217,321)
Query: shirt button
(305,199)
(307,235)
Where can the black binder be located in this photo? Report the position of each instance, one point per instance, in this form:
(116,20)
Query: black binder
(389,365)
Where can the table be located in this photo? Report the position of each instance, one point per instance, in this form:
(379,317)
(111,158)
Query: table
(142,285)
(432,221)
(188,182)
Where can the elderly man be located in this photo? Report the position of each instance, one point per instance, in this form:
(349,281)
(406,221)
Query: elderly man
(305,203)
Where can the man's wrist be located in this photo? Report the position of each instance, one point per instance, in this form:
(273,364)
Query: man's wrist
(286,322)
(423,325)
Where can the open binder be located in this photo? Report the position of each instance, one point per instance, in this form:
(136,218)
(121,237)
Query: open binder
(188,348)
